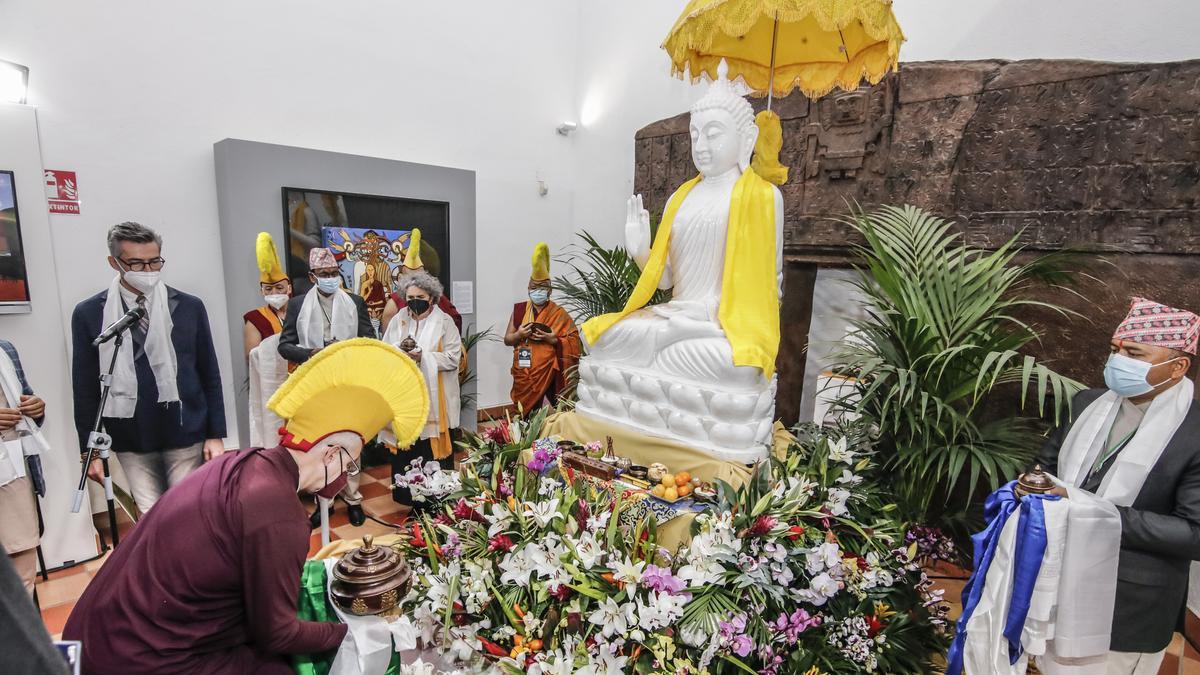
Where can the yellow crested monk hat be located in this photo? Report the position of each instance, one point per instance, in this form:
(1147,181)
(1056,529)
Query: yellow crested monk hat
(269,269)
(340,389)
(541,264)
(412,258)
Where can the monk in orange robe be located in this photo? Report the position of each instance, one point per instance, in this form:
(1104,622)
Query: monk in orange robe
(545,341)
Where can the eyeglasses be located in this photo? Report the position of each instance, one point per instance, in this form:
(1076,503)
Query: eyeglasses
(136,265)
(325,274)
(354,467)
(277,287)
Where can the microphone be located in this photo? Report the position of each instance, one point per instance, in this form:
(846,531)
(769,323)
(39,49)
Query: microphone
(120,325)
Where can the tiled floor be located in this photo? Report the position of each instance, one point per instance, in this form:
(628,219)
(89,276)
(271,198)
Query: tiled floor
(57,596)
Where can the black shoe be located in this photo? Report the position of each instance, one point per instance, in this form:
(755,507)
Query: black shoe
(357,517)
(314,520)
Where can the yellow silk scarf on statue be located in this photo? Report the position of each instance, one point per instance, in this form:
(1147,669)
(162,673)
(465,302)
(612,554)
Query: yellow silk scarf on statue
(749,309)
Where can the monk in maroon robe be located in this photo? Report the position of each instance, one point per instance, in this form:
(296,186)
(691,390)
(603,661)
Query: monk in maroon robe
(208,581)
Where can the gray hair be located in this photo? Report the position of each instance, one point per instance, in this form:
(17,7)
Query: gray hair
(131,232)
(424,281)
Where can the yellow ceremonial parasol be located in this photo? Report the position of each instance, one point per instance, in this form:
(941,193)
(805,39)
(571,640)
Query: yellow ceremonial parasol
(776,46)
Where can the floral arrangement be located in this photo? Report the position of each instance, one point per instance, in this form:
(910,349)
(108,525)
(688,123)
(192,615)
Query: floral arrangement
(801,570)
(428,481)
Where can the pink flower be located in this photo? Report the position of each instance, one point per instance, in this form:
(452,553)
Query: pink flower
(762,526)
(660,579)
(464,511)
(500,543)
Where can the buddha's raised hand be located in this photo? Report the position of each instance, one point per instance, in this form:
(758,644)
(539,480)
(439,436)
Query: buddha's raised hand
(637,230)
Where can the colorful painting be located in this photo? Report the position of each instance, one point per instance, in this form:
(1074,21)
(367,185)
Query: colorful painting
(370,260)
(14,280)
(369,235)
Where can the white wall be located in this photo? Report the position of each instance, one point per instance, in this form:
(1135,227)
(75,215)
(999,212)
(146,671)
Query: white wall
(40,339)
(133,94)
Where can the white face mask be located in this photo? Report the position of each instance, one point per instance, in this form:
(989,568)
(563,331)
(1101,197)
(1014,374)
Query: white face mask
(144,282)
(276,300)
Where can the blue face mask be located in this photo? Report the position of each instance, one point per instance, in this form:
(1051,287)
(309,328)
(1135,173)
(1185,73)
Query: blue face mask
(1126,376)
(539,296)
(329,285)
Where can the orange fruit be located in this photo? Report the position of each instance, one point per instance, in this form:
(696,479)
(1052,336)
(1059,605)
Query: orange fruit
(685,489)
(683,478)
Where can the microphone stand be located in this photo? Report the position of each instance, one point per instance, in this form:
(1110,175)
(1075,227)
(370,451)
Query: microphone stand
(100,444)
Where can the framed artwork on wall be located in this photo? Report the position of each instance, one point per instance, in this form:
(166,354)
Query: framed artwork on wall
(14,278)
(368,234)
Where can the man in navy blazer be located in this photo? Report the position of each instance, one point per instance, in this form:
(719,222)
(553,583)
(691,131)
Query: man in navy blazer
(173,419)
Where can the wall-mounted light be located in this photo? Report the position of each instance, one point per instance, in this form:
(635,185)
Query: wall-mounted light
(14,82)
(566,128)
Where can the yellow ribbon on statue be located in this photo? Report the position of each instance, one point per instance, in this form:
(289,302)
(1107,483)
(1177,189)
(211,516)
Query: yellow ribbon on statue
(749,309)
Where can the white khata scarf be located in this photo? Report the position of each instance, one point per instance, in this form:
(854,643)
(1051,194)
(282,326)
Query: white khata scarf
(32,441)
(160,352)
(1088,436)
(310,325)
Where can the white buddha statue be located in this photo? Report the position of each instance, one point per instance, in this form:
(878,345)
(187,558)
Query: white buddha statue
(699,368)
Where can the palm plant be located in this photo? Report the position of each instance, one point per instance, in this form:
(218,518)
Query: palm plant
(941,337)
(600,279)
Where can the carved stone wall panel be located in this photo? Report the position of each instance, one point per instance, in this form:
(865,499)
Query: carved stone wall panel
(1091,156)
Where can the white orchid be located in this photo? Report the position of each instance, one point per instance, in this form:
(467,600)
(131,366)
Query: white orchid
(660,610)
(598,521)
(825,556)
(701,572)
(543,513)
(821,588)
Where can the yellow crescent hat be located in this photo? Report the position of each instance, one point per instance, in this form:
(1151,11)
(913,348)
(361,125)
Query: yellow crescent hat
(269,270)
(412,259)
(341,389)
(541,263)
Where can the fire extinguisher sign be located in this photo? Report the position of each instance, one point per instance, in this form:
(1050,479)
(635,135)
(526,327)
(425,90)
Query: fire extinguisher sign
(62,192)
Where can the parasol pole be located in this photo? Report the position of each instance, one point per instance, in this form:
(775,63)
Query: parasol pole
(771,80)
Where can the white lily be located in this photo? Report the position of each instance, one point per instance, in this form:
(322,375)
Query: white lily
(543,513)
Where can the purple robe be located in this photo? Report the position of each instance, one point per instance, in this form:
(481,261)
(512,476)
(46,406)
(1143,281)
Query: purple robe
(208,581)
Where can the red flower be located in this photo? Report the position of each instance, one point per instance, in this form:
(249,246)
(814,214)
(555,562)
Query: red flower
(561,592)
(874,625)
(762,526)
(464,511)
(418,539)
(794,532)
(500,543)
(582,514)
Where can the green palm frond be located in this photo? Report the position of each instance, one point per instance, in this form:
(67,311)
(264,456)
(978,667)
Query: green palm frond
(942,335)
(600,280)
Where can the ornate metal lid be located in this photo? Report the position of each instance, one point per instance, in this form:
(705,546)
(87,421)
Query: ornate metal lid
(1035,482)
(408,344)
(370,564)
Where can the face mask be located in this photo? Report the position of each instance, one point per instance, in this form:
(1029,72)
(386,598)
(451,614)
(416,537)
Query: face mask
(1126,376)
(331,490)
(276,300)
(144,282)
(328,285)
(539,296)
(418,306)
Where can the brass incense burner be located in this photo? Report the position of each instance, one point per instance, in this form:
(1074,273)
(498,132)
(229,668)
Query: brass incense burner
(408,344)
(1035,482)
(370,579)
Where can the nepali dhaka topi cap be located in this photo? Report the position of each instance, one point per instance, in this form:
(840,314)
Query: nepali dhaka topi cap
(1153,323)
